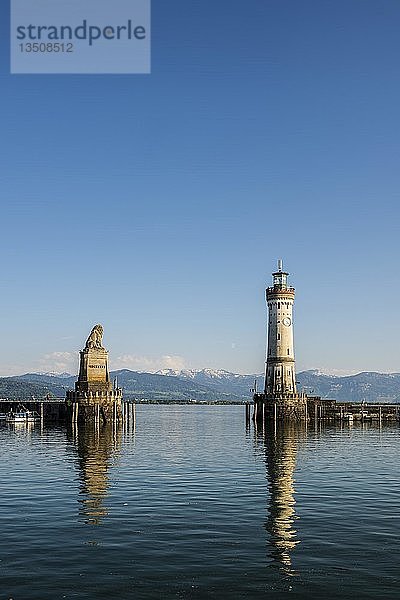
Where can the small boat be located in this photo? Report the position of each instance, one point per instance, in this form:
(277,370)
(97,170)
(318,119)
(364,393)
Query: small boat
(16,417)
(22,416)
(3,416)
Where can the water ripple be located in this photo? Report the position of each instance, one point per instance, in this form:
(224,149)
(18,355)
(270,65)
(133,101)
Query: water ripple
(192,505)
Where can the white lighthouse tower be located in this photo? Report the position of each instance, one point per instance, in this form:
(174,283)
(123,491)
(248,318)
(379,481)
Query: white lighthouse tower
(280,374)
(280,400)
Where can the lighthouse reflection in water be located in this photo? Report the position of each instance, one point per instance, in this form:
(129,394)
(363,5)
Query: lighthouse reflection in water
(280,445)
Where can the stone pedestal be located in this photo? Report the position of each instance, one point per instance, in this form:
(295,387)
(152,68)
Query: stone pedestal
(95,397)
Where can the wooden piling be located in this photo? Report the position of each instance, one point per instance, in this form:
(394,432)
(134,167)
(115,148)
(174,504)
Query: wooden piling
(247,413)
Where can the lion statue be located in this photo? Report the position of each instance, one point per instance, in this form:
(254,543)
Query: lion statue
(95,339)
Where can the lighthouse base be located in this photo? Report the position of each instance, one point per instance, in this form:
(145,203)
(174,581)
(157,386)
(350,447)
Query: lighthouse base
(282,407)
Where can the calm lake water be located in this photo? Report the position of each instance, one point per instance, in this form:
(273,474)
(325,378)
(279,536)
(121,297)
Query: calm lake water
(193,505)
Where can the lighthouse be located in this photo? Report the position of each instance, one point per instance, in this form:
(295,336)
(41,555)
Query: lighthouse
(280,373)
(280,400)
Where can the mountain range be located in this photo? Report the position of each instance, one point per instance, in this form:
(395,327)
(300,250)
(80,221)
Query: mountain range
(208,385)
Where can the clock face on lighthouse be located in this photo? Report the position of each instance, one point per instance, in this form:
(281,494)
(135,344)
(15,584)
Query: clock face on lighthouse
(286,321)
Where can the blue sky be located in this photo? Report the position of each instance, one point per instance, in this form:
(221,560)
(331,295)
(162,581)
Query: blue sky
(158,204)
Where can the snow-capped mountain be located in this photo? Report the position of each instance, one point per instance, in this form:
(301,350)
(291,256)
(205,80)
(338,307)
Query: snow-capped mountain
(196,373)
(218,380)
(55,374)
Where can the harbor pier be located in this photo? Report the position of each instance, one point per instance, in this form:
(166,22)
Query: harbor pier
(47,410)
(53,411)
(267,410)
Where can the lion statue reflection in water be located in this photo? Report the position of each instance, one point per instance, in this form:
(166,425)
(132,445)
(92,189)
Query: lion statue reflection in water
(95,339)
